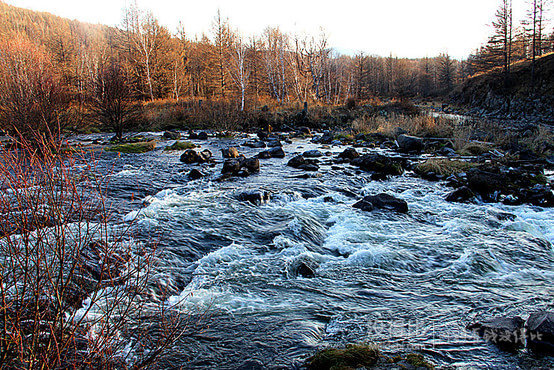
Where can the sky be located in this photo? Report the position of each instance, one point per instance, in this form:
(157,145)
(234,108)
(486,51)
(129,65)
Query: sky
(405,28)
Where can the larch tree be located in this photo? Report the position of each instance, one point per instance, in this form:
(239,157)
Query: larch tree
(360,74)
(221,39)
(534,26)
(446,72)
(501,41)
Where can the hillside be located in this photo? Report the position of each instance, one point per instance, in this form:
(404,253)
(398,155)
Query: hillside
(493,94)
(48,29)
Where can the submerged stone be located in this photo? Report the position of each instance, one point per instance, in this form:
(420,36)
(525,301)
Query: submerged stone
(505,332)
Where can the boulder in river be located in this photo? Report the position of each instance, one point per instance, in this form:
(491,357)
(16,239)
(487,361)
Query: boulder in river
(382,201)
(505,332)
(540,332)
(409,144)
(305,271)
(230,152)
(326,138)
(538,195)
(255,197)
(380,164)
(486,182)
(192,156)
(460,195)
(303,164)
(240,166)
(349,154)
(511,183)
(172,135)
(195,174)
(273,143)
(276,152)
(312,154)
(203,135)
(303,267)
(254,144)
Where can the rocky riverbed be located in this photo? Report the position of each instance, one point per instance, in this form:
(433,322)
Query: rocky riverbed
(284,244)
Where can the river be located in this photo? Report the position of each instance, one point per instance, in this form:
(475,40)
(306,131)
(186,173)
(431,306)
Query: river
(404,281)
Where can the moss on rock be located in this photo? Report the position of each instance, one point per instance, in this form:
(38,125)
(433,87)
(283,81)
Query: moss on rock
(353,356)
(180,145)
(141,147)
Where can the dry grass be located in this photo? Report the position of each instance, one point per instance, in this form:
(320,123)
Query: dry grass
(541,141)
(443,167)
(475,148)
(419,125)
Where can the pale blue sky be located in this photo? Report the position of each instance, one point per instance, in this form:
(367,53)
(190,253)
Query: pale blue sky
(404,27)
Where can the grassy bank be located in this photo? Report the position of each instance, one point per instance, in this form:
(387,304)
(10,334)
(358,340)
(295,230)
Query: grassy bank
(224,115)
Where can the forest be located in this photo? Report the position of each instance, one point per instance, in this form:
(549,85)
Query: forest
(83,76)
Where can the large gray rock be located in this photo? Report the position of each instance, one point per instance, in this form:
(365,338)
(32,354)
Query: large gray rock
(409,144)
(540,332)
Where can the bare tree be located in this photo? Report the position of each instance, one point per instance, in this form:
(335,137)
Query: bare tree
(73,288)
(275,62)
(503,37)
(145,40)
(534,27)
(114,102)
(33,100)
(238,65)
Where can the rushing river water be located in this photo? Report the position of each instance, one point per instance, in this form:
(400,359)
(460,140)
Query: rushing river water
(403,281)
